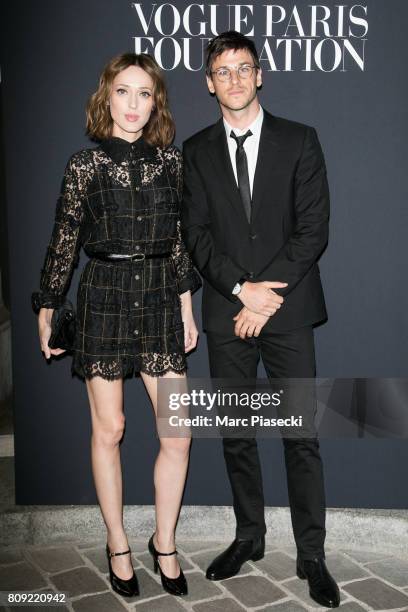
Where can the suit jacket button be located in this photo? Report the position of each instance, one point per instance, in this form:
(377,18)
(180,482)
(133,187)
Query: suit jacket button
(253,236)
(251,275)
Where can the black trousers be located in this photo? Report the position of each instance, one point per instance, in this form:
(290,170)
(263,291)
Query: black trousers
(284,355)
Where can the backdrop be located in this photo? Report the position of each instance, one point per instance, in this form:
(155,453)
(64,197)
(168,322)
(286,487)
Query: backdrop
(341,69)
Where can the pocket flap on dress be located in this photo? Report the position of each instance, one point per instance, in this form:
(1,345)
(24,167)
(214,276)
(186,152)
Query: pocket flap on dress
(165,195)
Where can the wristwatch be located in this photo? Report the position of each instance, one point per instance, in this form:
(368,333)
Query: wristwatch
(237,288)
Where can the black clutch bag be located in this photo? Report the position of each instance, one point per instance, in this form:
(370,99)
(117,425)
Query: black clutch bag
(63,327)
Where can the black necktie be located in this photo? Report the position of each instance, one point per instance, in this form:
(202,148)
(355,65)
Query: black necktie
(242,172)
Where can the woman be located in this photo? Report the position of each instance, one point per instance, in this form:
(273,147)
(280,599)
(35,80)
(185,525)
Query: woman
(120,202)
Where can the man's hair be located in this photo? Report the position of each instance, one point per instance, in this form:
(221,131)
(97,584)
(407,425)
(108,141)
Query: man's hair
(226,41)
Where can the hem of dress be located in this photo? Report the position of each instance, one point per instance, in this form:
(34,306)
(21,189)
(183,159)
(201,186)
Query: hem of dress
(158,374)
(78,369)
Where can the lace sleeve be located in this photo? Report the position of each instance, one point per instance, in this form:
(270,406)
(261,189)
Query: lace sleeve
(187,277)
(62,254)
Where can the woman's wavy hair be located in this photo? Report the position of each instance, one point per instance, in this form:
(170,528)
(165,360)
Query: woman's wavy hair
(159,130)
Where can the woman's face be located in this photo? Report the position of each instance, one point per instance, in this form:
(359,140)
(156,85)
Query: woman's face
(131,102)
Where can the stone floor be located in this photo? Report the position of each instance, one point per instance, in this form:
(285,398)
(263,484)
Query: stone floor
(368,580)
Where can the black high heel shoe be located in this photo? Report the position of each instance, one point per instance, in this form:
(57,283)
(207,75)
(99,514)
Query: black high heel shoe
(127,588)
(174,586)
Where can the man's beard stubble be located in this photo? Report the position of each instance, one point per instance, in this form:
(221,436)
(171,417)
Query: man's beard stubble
(232,108)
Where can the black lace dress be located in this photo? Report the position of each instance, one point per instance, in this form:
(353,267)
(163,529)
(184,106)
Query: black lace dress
(121,198)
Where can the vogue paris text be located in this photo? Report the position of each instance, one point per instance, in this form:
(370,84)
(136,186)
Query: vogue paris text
(306,37)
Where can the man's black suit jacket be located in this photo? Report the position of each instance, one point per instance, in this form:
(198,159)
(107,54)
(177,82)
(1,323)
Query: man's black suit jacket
(288,229)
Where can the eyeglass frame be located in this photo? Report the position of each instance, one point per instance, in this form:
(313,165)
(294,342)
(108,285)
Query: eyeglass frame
(252,66)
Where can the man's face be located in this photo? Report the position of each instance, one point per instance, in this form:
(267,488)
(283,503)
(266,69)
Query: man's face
(237,92)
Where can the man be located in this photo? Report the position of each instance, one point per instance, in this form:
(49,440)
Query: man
(255,220)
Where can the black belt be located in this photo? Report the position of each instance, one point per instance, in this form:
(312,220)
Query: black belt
(133,257)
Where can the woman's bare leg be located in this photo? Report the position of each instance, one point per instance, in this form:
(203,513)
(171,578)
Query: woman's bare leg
(170,472)
(108,422)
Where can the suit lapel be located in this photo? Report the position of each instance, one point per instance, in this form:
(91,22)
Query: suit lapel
(267,160)
(221,162)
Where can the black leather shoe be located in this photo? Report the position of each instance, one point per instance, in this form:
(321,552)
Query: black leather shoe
(127,588)
(229,562)
(174,586)
(322,586)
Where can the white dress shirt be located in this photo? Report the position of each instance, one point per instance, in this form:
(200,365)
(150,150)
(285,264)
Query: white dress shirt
(251,145)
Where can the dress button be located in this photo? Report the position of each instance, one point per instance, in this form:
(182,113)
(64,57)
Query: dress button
(136,304)
(137,247)
(137,277)
(137,188)
(251,275)
(136,332)
(139,218)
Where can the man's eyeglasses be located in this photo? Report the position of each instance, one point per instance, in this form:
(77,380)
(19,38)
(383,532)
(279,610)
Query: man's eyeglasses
(224,74)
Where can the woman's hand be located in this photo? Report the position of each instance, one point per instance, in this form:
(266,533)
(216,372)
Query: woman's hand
(190,328)
(190,333)
(44,329)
